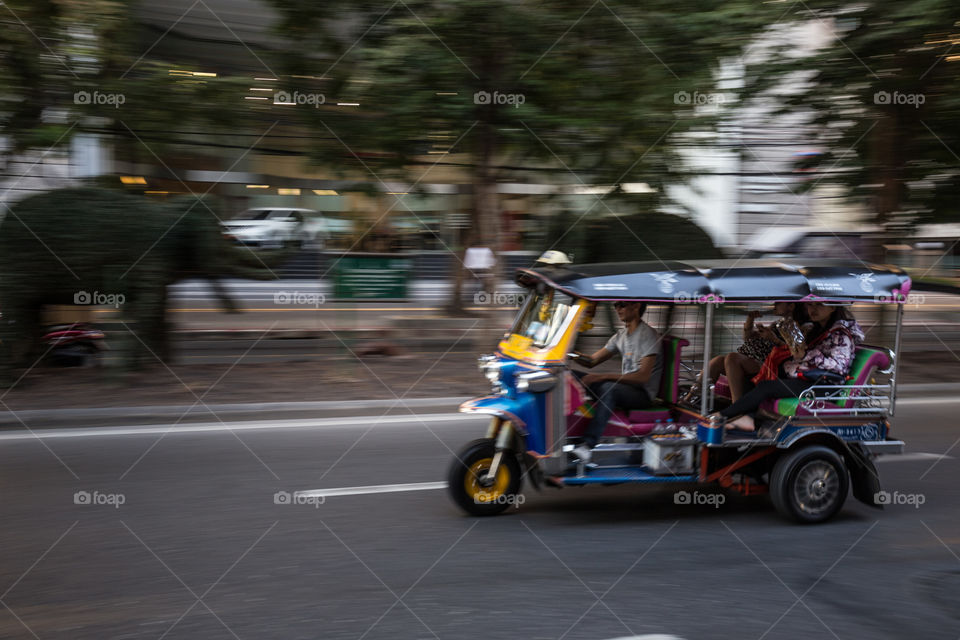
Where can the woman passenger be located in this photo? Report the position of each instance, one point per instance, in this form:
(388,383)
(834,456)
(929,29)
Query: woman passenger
(744,363)
(830,348)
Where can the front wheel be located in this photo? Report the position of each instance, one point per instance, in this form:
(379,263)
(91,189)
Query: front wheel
(473,490)
(809,484)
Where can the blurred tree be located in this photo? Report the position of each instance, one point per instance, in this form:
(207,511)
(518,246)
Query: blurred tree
(34,77)
(555,92)
(58,247)
(884,94)
(658,236)
(72,66)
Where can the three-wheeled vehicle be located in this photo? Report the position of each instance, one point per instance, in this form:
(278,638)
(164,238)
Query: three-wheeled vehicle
(807,451)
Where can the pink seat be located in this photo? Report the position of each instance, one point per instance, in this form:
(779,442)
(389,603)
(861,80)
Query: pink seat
(722,387)
(637,422)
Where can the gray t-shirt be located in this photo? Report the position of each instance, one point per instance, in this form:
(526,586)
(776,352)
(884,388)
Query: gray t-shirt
(633,347)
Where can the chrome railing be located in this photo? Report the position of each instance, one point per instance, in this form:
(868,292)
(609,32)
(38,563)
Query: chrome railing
(866,399)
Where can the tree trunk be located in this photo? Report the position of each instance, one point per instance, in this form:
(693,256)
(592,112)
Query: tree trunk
(890,169)
(455,304)
(484,228)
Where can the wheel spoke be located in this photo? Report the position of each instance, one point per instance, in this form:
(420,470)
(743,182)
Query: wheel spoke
(816,487)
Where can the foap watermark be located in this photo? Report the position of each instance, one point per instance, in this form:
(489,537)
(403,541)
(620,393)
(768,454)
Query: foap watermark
(698,498)
(896,498)
(696,98)
(485,97)
(297,97)
(499,298)
(285,497)
(95,498)
(912,99)
(913,298)
(99,98)
(512,500)
(99,299)
(299,298)
(685,297)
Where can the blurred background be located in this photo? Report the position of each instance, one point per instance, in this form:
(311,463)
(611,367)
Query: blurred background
(253,248)
(358,151)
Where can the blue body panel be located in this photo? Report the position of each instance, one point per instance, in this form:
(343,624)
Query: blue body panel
(526,410)
(709,435)
(623,474)
(867,432)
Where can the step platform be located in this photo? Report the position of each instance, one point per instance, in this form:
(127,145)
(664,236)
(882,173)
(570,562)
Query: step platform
(617,475)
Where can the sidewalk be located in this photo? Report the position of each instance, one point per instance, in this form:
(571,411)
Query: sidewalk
(332,383)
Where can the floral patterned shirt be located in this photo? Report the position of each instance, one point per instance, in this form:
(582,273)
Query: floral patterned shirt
(833,352)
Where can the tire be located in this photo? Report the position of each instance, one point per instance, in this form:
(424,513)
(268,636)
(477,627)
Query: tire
(470,466)
(809,484)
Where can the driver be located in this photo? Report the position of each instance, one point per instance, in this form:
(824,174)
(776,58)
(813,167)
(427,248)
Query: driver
(635,386)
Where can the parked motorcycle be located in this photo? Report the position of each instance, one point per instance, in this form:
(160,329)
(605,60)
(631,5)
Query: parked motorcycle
(73,345)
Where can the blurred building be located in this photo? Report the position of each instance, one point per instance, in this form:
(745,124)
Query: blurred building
(747,189)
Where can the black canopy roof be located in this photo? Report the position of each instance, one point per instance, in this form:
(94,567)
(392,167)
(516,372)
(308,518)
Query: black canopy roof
(725,280)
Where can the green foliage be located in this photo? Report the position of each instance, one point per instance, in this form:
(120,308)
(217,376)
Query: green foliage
(553,92)
(597,82)
(59,244)
(68,66)
(629,238)
(884,93)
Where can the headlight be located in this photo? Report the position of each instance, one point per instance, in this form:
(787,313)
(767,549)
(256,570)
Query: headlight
(489,365)
(492,372)
(536,381)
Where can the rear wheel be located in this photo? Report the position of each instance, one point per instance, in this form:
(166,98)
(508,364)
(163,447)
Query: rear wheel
(809,484)
(471,487)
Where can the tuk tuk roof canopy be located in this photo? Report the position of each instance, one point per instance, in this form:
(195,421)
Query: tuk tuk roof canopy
(725,281)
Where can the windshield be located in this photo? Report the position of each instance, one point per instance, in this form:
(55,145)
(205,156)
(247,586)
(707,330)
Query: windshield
(545,318)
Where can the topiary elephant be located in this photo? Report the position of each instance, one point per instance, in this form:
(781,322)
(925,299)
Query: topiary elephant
(87,245)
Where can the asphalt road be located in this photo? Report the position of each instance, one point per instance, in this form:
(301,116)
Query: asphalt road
(183,539)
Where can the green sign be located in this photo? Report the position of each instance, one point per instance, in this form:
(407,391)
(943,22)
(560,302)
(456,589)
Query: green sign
(367,276)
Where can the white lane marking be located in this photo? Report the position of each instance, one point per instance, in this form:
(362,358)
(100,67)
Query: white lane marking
(375,488)
(650,636)
(246,425)
(910,457)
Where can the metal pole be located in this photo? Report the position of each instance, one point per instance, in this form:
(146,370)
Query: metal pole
(707,348)
(896,359)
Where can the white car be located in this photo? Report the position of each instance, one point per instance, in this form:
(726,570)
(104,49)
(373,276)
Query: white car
(276,227)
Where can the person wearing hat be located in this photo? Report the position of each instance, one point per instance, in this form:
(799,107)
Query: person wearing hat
(553,258)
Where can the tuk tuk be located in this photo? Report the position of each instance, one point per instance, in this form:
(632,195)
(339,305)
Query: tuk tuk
(807,451)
